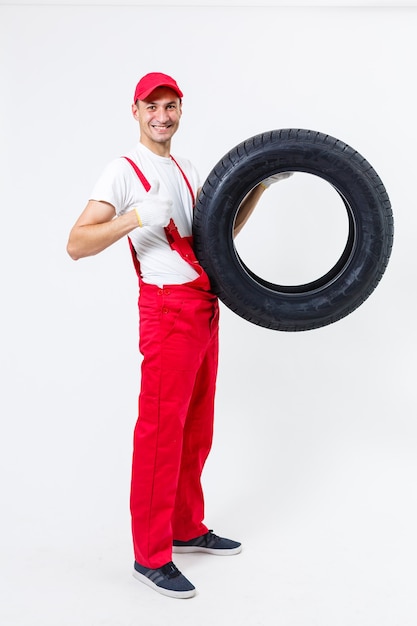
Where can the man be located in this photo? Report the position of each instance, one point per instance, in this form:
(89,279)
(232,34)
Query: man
(149,196)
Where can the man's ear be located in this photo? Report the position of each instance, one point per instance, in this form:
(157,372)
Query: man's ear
(135,111)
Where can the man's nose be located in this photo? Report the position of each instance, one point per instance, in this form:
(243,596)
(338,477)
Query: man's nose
(163,115)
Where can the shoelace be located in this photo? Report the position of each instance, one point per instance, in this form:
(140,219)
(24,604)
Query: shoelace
(170,570)
(211,539)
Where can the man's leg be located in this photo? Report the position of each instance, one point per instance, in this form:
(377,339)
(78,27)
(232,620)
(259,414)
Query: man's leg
(187,521)
(173,342)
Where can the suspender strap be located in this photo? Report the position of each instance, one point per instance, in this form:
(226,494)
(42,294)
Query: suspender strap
(147,185)
(182,245)
(186,180)
(134,257)
(141,177)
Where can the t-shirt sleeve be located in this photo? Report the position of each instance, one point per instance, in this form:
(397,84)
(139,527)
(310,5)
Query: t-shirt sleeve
(112,186)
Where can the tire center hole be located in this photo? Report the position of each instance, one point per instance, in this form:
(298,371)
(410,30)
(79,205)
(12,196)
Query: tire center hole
(297,232)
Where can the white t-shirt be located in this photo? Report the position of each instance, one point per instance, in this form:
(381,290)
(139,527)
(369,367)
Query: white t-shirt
(120,186)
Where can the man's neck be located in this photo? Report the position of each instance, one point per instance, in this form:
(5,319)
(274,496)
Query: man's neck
(160,149)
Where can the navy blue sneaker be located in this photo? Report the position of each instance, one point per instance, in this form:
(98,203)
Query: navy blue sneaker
(209,543)
(167,580)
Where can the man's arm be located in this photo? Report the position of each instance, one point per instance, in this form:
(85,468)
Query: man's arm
(249,203)
(247,207)
(97,228)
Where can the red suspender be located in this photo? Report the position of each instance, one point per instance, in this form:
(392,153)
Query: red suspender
(186,180)
(146,184)
(171,231)
(139,173)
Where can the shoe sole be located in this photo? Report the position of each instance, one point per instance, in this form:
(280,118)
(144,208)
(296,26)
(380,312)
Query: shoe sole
(165,592)
(185,549)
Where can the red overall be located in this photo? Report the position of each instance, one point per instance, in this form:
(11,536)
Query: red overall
(173,434)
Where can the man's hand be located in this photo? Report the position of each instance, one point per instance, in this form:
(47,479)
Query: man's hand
(275,178)
(154,211)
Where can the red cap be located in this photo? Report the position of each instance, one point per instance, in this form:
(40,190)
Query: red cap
(151,81)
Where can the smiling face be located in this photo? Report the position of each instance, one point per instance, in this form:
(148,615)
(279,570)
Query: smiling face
(159,118)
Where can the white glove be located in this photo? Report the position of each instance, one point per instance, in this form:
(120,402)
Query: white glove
(154,211)
(275,178)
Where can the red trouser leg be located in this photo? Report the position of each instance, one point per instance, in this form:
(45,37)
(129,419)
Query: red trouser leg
(189,505)
(173,434)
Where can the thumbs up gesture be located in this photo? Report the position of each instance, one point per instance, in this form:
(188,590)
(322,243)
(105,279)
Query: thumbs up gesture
(153,210)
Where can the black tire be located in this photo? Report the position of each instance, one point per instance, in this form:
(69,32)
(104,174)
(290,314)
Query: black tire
(357,272)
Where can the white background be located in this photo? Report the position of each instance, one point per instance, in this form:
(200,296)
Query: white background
(314,461)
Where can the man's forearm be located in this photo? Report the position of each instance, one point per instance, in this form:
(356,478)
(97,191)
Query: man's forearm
(247,207)
(90,239)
